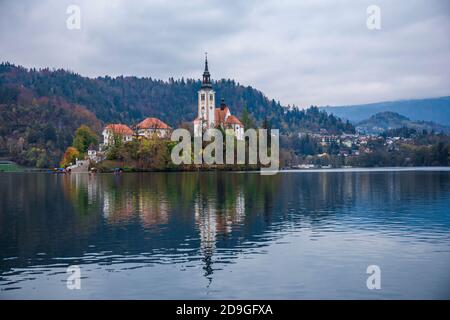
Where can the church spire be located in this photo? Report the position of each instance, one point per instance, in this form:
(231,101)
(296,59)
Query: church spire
(206,62)
(206,83)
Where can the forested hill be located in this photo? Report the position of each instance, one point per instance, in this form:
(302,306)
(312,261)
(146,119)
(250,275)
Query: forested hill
(130,99)
(40,109)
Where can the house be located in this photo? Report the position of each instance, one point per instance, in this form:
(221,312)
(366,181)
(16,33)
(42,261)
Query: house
(150,126)
(119,131)
(211,117)
(94,155)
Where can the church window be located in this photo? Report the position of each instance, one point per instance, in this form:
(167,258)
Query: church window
(203,97)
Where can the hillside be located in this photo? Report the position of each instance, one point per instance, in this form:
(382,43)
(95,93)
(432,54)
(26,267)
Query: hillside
(34,131)
(41,109)
(130,99)
(384,121)
(433,109)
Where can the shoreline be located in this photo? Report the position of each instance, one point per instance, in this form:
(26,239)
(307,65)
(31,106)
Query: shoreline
(303,170)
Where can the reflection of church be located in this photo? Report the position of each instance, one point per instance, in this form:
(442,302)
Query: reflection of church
(211,117)
(205,219)
(212,222)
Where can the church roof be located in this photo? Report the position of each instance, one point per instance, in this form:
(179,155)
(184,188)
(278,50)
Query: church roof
(233,120)
(152,123)
(220,114)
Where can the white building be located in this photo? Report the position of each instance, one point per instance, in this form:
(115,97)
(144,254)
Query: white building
(211,117)
(150,126)
(119,131)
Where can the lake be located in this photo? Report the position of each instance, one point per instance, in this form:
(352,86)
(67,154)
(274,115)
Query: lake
(226,235)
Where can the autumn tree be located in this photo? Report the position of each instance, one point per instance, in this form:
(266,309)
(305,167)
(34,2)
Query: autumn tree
(69,157)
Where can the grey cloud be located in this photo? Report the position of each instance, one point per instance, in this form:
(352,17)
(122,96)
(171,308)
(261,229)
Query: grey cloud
(298,52)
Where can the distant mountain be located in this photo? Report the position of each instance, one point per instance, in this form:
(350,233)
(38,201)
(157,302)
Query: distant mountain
(387,120)
(433,109)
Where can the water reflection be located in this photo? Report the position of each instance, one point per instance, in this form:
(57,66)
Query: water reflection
(208,220)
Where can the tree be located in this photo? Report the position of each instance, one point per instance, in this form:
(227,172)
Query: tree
(84,137)
(116,150)
(69,156)
(247,121)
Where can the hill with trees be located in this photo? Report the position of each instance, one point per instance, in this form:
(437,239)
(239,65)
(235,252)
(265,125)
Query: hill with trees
(41,109)
(34,131)
(387,120)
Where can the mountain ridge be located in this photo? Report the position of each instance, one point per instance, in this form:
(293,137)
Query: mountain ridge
(435,109)
(388,120)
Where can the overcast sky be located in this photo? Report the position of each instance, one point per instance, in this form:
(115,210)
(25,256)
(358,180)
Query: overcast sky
(313,52)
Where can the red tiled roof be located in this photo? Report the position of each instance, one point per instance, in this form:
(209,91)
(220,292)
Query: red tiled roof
(233,120)
(118,128)
(152,123)
(219,114)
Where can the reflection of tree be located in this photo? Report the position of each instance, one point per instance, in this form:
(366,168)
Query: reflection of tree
(83,194)
(130,197)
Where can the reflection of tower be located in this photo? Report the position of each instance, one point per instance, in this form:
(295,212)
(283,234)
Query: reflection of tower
(205,218)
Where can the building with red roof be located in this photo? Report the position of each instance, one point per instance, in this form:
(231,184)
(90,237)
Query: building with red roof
(150,126)
(211,117)
(116,130)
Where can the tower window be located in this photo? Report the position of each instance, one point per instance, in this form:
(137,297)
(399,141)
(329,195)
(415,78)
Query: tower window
(211,97)
(203,97)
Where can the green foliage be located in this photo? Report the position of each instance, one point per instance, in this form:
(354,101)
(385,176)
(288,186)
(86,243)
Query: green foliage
(247,120)
(84,137)
(153,153)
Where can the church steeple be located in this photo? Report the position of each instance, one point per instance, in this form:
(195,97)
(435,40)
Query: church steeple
(206,99)
(206,83)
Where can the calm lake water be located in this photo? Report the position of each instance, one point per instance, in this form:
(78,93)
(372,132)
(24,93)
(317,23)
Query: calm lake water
(295,235)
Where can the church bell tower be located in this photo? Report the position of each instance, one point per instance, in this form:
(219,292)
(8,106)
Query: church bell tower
(206,99)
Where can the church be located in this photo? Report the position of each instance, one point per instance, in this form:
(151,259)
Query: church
(211,117)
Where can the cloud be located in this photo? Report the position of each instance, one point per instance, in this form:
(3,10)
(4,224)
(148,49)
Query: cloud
(299,52)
